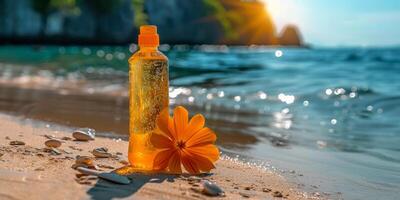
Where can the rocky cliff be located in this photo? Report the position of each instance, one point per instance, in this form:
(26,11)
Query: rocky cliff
(116,22)
(290,36)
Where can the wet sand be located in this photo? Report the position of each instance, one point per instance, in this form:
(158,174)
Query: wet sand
(27,172)
(106,113)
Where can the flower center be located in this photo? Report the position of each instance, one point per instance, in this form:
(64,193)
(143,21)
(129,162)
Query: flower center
(180,144)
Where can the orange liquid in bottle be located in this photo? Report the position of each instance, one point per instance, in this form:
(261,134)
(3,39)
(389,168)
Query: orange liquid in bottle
(148,79)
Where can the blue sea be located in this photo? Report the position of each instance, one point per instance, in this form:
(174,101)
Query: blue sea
(328,119)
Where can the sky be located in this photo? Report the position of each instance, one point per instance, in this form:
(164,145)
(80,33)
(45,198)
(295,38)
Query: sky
(340,22)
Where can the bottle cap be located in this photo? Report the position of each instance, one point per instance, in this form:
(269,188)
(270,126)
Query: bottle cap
(148,36)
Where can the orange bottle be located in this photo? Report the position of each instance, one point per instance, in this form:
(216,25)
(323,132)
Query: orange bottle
(148,79)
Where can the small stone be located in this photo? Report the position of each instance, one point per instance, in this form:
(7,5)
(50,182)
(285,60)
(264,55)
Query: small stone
(119,153)
(7,138)
(49,136)
(52,151)
(106,166)
(101,153)
(212,189)
(277,194)
(194,179)
(39,169)
(68,158)
(124,162)
(1,155)
(247,188)
(266,190)
(75,148)
(84,134)
(195,185)
(17,142)
(86,160)
(80,175)
(53,143)
(245,195)
(66,138)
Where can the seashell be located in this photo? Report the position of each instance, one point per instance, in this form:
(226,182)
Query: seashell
(101,153)
(212,189)
(84,134)
(110,176)
(17,142)
(53,143)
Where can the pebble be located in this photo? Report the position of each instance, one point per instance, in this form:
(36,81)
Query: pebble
(124,162)
(49,136)
(212,189)
(52,151)
(245,195)
(266,190)
(53,143)
(8,138)
(17,142)
(277,194)
(75,148)
(39,169)
(66,138)
(101,153)
(84,134)
(1,155)
(86,160)
(106,166)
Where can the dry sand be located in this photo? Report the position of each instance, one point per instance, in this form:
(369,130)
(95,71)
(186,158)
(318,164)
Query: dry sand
(27,172)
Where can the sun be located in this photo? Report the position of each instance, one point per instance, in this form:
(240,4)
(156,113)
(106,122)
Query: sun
(284,12)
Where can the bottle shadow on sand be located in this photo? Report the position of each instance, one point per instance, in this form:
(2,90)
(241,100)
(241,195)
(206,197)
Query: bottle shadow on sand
(105,190)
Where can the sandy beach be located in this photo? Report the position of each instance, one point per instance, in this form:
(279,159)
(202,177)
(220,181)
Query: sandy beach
(30,172)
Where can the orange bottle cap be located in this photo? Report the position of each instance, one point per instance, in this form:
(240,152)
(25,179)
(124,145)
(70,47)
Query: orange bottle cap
(148,36)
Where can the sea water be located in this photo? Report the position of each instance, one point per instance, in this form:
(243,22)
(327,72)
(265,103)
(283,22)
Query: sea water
(329,115)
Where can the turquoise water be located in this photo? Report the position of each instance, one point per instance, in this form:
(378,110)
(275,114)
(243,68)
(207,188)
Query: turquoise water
(330,114)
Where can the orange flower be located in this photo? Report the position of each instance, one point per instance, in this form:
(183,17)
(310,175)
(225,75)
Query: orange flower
(183,142)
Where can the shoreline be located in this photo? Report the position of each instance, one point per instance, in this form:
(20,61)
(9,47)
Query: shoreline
(28,172)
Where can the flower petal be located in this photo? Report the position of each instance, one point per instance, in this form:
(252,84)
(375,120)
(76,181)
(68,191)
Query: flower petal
(174,164)
(204,164)
(162,122)
(171,128)
(209,151)
(189,164)
(181,120)
(196,123)
(203,137)
(160,141)
(161,159)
